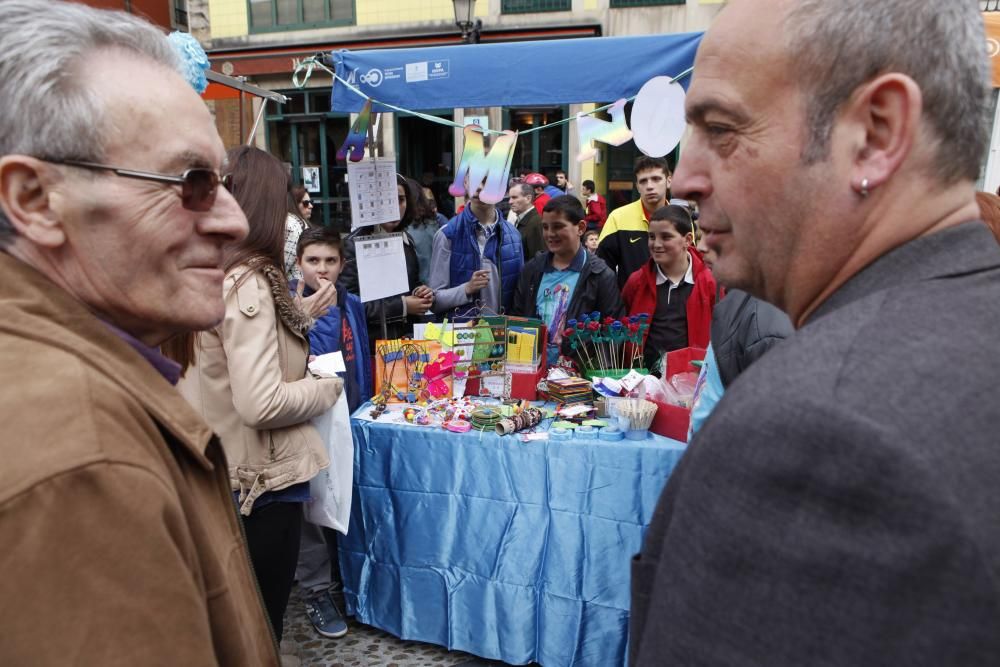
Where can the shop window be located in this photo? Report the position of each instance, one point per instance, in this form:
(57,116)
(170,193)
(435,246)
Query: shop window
(623,4)
(525,6)
(273,15)
(180,15)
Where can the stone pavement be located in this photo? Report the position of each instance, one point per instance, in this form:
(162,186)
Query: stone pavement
(365,646)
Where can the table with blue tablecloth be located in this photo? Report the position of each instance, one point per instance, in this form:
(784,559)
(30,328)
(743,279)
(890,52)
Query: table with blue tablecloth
(510,550)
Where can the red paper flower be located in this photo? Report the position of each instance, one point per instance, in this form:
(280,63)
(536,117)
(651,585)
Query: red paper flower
(593,326)
(569,333)
(608,321)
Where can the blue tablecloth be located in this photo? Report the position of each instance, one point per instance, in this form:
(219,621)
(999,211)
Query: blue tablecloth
(509,550)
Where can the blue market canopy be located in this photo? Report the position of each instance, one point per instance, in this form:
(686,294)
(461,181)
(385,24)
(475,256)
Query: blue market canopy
(594,69)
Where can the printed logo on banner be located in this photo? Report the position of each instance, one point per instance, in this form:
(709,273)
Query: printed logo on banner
(439,69)
(393,73)
(416,72)
(373,78)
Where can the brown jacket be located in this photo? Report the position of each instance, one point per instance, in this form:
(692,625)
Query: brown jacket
(249,382)
(121,545)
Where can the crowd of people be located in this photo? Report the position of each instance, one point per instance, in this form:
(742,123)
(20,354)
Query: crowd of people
(162,298)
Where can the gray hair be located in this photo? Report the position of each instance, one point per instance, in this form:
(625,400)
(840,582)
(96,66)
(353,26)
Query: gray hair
(49,112)
(525,189)
(838,46)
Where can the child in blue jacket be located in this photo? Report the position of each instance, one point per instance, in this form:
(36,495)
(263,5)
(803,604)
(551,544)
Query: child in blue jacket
(343,328)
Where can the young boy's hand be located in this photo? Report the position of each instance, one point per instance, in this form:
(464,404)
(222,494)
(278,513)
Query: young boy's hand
(321,299)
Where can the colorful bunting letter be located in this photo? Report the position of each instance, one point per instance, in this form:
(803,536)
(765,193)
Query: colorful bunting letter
(593,129)
(479,169)
(355,142)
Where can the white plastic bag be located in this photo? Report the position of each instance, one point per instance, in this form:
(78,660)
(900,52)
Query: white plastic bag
(331,489)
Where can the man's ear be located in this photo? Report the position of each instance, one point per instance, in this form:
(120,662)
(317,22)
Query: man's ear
(884,117)
(25,190)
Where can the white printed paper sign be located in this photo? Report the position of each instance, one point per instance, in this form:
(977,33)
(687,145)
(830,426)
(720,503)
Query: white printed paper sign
(372,186)
(381,266)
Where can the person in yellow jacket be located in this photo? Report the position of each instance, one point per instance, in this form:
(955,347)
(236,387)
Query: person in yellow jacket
(624,240)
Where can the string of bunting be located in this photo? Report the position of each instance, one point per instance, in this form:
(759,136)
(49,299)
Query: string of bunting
(657,124)
(305,69)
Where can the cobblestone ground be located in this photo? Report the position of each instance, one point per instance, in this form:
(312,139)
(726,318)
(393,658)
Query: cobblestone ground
(365,646)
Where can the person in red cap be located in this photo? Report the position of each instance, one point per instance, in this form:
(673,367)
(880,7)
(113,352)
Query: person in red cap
(538,183)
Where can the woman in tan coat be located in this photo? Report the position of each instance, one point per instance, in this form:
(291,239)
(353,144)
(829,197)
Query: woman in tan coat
(248,379)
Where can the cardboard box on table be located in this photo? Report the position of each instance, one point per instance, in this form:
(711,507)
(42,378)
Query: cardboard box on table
(672,421)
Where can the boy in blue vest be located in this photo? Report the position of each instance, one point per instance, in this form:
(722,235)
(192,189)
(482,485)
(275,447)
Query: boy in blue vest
(342,328)
(477,257)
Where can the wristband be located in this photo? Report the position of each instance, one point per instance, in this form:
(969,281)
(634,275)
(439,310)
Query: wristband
(458,426)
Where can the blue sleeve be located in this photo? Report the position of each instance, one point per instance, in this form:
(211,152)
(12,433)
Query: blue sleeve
(364,353)
(707,393)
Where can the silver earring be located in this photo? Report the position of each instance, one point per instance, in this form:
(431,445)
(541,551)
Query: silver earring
(864,188)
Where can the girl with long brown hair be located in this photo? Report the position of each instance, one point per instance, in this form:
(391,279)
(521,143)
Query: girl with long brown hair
(248,379)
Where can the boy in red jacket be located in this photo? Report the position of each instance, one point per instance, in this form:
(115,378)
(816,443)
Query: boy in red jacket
(674,287)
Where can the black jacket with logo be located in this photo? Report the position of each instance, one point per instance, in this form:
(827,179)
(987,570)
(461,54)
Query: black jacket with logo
(624,241)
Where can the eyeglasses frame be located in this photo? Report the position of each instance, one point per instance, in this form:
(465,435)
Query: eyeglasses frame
(142,175)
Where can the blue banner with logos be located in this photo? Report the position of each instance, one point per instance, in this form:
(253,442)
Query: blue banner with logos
(568,71)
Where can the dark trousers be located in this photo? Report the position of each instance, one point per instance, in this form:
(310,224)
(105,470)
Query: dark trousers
(273,534)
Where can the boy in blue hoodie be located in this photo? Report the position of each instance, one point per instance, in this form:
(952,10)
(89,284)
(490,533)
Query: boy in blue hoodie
(343,328)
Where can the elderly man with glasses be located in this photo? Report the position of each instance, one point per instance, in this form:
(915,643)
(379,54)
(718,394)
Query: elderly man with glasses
(121,543)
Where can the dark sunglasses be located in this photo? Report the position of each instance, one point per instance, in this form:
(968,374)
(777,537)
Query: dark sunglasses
(307,202)
(198,185)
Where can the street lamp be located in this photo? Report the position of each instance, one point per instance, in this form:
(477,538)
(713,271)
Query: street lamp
(465,10)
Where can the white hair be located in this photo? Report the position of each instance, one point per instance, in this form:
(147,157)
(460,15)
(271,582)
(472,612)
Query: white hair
(49,113)
(838,46)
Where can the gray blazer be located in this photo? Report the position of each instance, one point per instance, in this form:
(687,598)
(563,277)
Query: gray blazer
(841,506)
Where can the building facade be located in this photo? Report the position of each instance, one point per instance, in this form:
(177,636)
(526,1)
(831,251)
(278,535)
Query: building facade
(264,40)
(168,14)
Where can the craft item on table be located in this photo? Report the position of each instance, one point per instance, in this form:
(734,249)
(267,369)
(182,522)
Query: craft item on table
(575,410)
(431,331)
(480,347)
(606,346)
(632,380)
(601,406)
(611,434)
(564,424)
(560,434)
(596,423)
(607,386)
(522,347)
(570,390)
(683,384)
(437,374)
(586,433)
(634,414)
(400,372)
(485,418)
(457,426)
(528,418)
(418,416)
(452,408)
